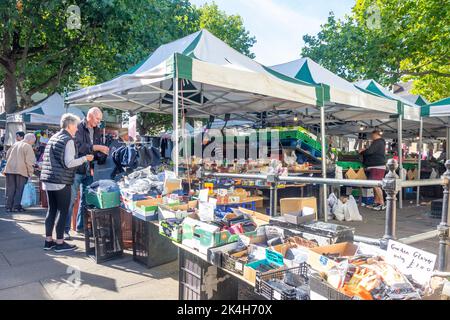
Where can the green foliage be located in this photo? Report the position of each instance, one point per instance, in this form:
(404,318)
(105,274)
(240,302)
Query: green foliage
(39,53)
(389,41)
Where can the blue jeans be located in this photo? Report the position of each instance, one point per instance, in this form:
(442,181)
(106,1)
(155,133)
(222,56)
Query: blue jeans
(81,182)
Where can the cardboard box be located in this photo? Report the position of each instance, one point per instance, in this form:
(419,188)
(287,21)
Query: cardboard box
(297,218)
(296,205)
(148,207)
(319,262)
(259,218)
(273,258)
(201,236)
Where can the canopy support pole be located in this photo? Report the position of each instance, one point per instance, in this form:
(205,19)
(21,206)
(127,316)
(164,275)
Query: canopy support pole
(419,164)
(324,162)
(176,133)
(400,156)
(447,140)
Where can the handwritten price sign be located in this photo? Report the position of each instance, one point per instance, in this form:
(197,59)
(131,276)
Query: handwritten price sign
(411,261)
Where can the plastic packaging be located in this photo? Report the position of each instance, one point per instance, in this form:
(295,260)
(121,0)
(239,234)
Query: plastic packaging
(104,186)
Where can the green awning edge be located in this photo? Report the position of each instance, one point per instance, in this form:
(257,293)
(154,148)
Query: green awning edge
(322,95)
(420,101)
(425,111)
(183,66)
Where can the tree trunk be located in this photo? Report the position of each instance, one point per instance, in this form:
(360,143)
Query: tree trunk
(10,85)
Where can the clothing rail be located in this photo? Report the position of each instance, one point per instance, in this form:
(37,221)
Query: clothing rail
(421,183)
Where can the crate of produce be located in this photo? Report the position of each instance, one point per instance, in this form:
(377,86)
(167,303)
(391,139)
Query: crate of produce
(103,234)
(349,164)
(149,247)
(103,200)
(285,284)
(127,236)
(322,290)
(196,277)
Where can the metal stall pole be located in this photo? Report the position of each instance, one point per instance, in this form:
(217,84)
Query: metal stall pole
(324,161)
(273,180)
(400,154)
(443,227)
(391,187)
(176,133)
(419,164)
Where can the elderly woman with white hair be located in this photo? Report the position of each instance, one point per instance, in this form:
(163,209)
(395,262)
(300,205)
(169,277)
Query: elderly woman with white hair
(20,160)
(58,172)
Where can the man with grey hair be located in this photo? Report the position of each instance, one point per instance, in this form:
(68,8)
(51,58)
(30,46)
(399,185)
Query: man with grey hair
(88,140)
(20,160)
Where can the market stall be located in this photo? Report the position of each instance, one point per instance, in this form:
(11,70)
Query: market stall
(289,257)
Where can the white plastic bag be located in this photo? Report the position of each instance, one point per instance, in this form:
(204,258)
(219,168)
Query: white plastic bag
(339,211)
(338,173)
(332,201)
(351,211)
(433,174)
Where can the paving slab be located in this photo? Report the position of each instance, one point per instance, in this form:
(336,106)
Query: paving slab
(30,291)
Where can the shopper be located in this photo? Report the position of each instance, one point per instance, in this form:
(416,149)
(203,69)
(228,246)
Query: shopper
(20,135)
(58,173)
(20,160)
(374,160)
(88,140)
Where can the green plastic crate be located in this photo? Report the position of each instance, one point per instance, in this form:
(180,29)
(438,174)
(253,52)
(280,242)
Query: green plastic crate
(356,192)
(409,166)
(349,164)
(103,200)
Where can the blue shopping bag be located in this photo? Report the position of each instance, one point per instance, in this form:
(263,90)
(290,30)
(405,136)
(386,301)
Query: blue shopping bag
(29,196)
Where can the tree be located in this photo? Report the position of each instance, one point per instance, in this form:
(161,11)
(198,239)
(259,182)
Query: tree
(229,28)
(389,40)
(39,52)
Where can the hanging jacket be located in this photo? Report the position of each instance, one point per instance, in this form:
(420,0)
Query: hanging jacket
(125,157)
(149,156)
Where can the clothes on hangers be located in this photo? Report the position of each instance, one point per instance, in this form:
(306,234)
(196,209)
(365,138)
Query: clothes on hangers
(126,157)
(149,156)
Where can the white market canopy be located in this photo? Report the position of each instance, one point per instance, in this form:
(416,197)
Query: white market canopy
(342,92)
(217,80)
(49,111)
(439,108)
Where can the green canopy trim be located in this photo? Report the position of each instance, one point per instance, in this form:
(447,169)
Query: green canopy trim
(184,66)
(322,95)
(304,74)
(420,101)
(286,78)
(443,102)
(191,47)
(425,111)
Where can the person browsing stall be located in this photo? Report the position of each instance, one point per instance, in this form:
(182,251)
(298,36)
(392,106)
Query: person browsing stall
(374,160)
(20,160)
(88,140)
(58,175)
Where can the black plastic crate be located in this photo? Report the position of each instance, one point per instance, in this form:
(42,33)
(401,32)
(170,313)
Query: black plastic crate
(321,287)
(233,264)
(200,280)
(265,289)
(149,247)
(103,234)
(436,209)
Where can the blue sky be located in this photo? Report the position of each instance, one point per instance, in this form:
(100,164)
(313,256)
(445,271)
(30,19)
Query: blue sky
(279,25)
